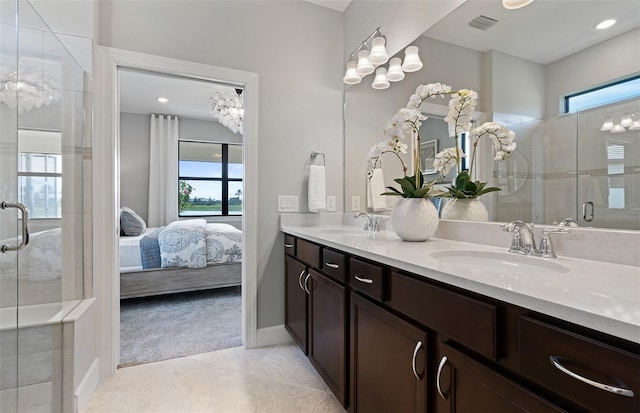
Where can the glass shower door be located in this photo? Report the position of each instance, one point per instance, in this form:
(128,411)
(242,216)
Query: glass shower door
(608,179)
(42,132)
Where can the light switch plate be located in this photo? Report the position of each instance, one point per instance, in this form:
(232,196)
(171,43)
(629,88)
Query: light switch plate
(288,203)
(355,204)
(331,203)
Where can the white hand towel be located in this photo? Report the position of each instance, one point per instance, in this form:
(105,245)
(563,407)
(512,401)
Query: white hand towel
(374,190)
(317,189)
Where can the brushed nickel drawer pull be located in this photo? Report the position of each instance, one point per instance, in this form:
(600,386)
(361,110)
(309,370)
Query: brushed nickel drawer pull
(443,361)
(288,245)
(364,280)
(332,265)
(611,389)
(413,360)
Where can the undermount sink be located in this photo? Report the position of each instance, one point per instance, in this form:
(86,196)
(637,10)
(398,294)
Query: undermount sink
(499,262)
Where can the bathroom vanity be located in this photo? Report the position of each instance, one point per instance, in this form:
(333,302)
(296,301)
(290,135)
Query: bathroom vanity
(447,326)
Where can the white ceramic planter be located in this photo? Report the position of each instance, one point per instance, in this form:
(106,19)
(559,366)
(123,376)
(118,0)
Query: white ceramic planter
(465,210)
(414,219)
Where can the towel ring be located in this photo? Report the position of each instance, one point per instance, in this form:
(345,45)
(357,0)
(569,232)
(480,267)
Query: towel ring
(315,154)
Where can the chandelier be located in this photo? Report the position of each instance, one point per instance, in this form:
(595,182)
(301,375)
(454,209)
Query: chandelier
(227,109)
(29,87)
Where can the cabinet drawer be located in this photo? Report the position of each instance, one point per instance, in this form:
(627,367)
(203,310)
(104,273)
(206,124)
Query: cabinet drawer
(308,253)
(581,365)
(290,244)
(366,278)
(466,320)
(334,263)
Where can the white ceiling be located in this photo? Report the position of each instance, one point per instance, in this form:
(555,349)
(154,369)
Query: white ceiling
(188,98)
(543,32)
(339,5)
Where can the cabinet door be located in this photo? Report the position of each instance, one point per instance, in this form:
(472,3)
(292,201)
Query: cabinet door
(328,332)
(295,311)
(388,361)
(466,385)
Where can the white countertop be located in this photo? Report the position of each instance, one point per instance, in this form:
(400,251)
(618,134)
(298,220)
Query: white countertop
(598,295)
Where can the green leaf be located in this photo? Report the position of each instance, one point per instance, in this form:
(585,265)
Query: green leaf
(407,186)
(421,193)
(393,190)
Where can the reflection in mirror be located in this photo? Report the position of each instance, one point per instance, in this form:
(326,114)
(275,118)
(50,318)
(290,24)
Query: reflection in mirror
(522,73)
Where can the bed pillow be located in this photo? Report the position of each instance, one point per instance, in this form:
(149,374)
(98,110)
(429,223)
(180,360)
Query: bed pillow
(131,223)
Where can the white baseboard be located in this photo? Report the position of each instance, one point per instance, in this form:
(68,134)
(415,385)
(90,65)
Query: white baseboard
(270,336)
(87,386)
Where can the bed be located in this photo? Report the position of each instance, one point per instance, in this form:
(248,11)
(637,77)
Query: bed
(184,256)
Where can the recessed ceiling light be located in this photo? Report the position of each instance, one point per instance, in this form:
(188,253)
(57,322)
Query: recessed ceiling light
(515,4)
(606,24)
(163,100)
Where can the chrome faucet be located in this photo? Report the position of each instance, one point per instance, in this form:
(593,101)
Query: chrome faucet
(567,222)
(523,241)
(372,224)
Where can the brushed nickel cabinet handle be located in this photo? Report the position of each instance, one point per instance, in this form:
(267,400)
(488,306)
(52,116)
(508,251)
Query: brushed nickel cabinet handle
(25,226)
(306,283)
(332,265)
(443,361)
(413,360)
(607,387)
(300,280)
(288,245)
(364,280)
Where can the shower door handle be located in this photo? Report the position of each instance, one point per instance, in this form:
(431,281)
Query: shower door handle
(25,226)
(586,217)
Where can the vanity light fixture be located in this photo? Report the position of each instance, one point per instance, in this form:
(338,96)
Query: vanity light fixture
(515,4)
(371,54)
(626,122)
(605,24)
(395,73)
(162,99)
(381,81)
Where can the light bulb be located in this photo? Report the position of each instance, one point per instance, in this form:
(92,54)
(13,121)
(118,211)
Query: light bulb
(515,4)
(378,54)
(617,129)
(412,61)
(351,77)
(607,125)
(364,66)
(626,121)
(605,24)
(395,73)
(380,82)
(162,100)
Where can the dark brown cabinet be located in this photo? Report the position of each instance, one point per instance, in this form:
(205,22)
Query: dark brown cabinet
(385,340)
(316,310)
(388,361)
(328,332)
(466,385)
(295,308)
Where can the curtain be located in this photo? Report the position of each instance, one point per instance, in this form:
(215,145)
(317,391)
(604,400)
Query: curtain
(163,170)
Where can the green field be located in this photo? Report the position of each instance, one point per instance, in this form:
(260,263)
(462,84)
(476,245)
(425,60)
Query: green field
(213,209)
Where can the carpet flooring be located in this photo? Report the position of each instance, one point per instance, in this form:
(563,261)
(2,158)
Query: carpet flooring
(178,325)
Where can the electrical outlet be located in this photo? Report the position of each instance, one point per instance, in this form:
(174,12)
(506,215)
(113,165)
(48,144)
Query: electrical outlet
(288,203)
(331,203)
(355,204)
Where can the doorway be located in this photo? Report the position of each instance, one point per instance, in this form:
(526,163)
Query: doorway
(181,144)
(106,199)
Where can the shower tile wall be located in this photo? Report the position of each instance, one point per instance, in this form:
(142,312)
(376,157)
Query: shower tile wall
(28,372)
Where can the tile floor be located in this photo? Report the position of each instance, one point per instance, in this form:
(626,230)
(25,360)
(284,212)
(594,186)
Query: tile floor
(272,379)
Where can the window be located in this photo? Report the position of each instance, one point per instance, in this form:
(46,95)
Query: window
(209,179)
(624,89)
(40,184)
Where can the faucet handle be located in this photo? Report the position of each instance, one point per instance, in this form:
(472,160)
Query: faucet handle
(546,246)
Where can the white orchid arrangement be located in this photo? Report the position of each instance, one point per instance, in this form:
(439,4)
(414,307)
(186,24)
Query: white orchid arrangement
(407,121)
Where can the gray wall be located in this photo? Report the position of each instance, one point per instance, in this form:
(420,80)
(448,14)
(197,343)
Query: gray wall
(610,60)
(134,157)
(296,49)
